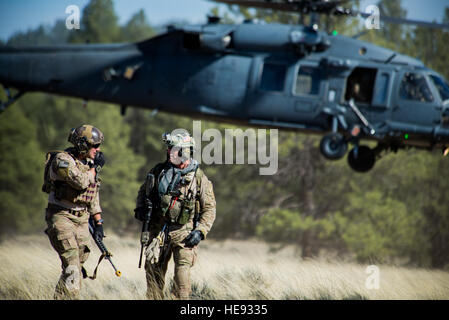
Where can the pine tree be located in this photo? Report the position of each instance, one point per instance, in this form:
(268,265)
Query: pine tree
(137,28)
(22,202)
(99,23)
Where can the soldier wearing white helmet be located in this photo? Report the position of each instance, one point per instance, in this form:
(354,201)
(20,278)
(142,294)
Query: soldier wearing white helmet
(183,211)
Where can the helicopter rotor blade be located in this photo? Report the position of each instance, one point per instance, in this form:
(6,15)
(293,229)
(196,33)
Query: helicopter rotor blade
(406,21)
(304,6)
(326,7)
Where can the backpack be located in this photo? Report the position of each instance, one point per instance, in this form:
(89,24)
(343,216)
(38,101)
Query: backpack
(47,185)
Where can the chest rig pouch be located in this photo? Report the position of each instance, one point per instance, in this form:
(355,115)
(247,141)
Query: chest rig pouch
(179,205)
(63,190)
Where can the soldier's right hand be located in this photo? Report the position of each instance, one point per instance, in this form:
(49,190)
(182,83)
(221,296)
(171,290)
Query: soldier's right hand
(98,232)
(193,238)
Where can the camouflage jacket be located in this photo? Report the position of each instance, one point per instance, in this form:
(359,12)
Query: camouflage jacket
(191,206)
(73,184)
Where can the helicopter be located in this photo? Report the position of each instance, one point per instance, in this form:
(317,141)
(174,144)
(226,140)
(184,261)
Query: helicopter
(292,77)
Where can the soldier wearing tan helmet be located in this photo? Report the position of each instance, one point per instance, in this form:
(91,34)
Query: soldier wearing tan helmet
(183,211)
(71,180)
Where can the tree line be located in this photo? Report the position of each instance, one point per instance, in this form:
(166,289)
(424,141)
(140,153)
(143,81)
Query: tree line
(396,212)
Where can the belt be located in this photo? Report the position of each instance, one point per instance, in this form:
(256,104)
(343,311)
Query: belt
(55,207)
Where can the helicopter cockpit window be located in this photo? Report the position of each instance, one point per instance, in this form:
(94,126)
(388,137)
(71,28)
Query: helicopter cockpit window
(414,87)
(307,81)
(273,77)
(442,87)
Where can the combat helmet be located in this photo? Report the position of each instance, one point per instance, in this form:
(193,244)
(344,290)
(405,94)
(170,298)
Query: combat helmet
(85,137)
(181,140)
(178,138)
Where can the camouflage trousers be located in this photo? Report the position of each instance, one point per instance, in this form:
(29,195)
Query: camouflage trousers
(184,258)
(69,236)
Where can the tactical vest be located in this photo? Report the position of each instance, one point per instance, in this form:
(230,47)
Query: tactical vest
(61,189)
(179,207)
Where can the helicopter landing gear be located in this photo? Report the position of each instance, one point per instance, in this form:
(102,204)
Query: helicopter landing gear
(333,146)
(361,158)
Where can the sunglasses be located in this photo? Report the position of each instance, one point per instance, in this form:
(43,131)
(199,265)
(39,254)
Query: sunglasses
(96,146)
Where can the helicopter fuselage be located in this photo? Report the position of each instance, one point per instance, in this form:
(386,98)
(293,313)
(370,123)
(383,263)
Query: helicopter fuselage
(288,77)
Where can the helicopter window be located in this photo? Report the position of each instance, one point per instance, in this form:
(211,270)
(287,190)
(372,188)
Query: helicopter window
(308,81)
(414,87)
(442,87)
(273,77)
(360,84)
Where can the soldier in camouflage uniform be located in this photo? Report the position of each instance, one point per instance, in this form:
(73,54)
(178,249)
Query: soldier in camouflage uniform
(183,212)
(71,180)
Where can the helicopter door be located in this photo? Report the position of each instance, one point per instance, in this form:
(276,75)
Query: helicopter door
(382,88)
(232,78)
(381,102)
(415,102)
(306,90)
(269,100)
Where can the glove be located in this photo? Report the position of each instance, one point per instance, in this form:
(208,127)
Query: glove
(141,214)
(193,238)
(99,161)
(98,232)
(153,251)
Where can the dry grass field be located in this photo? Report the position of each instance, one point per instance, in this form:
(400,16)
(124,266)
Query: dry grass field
(29,269)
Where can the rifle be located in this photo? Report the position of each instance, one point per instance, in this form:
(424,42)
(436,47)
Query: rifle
(145,234)
(104,251)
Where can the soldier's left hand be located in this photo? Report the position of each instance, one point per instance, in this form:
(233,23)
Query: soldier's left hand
(99,160)
(193,238)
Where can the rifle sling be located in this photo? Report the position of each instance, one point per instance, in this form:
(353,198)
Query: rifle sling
(94,276)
